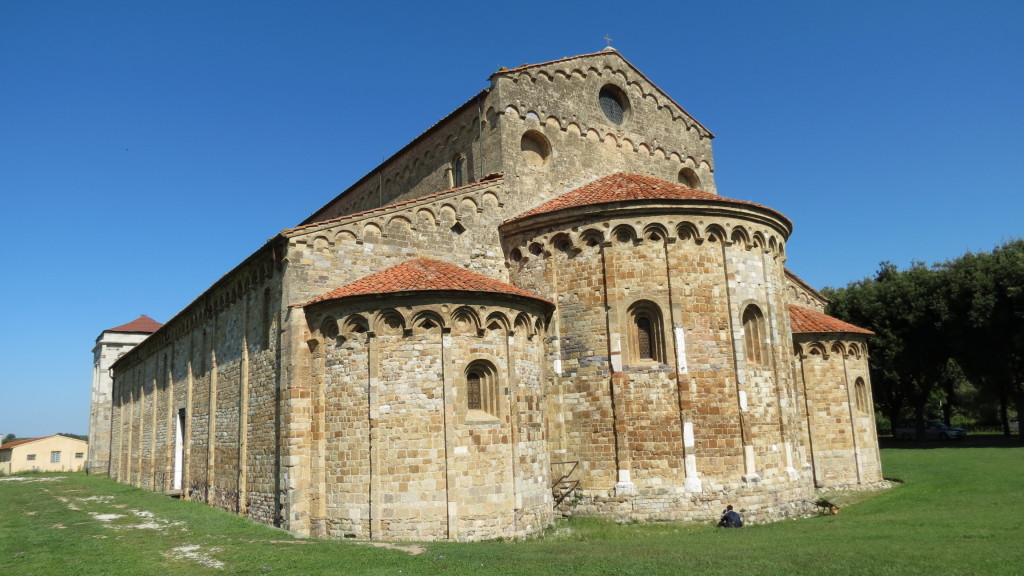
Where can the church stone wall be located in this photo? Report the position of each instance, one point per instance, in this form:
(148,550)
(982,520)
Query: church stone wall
(216,361)
(799,293)
(560,102)
(697,422)
(757,278)
(458,227)
(110,346)
(351,417)
(423,167)
(402,457)
(841,426)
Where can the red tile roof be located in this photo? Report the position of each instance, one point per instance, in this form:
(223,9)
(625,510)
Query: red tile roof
(143,324)
(805,320)
(14,443)
(425,275)
(627,187)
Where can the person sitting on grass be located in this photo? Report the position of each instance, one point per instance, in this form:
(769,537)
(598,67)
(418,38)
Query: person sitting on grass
(730,518)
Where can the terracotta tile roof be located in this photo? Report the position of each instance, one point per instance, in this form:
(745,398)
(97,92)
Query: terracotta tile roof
(143,324)
(805,320)
(627,187)
(14,443)
(425,275)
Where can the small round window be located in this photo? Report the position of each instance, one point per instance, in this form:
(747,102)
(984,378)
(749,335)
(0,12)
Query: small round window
(614,103)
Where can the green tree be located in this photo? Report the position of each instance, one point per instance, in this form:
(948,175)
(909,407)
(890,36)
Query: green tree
(909,357)
(943,334)
(987,330)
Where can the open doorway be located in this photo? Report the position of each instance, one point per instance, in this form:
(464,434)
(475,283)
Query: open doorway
(179,449)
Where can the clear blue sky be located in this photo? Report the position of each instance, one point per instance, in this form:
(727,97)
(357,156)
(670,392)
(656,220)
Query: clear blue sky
(194,131)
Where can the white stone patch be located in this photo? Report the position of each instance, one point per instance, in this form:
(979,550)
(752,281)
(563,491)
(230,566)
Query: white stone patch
(196,554)
(105,517)
(681,350)
(688,438)
(31,479)
(148,526)
(616,351)
(743,400)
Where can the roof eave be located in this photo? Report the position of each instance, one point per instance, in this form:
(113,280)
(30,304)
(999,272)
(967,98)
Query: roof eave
(803,284)
(267,246)
(312,218)
(440,294)
(863,334)
(723,207)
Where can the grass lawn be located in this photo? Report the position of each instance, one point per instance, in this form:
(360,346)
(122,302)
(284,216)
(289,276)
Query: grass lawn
(959,510)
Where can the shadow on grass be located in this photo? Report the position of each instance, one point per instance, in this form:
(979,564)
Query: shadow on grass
(979,441)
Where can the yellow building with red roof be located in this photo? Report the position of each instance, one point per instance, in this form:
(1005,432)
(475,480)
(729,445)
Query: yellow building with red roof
(55,453)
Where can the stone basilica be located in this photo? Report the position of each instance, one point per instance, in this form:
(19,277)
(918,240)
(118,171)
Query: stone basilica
(540,304)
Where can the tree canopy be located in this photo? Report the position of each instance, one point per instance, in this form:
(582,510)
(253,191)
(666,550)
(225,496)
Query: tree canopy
(941,326)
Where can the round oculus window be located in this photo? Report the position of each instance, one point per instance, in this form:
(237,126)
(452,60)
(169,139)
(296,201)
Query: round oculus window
(614,103)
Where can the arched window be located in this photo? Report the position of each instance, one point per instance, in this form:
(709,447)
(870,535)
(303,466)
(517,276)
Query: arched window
(473,391)
(687,177)
(647,340)
(458,174)
(863,405)
(643,337)
(754,335)
(482,387)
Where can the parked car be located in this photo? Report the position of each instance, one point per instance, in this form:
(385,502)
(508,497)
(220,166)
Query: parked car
(933,430)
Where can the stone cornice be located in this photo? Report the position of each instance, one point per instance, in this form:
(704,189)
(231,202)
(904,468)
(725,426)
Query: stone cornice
(583,66)
(677,209)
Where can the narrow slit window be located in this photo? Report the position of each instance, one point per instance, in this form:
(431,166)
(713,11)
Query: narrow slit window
(458,171)
(473,391)
(643,337)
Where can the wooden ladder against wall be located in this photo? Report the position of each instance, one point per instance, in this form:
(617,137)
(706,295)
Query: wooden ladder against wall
(565,485)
